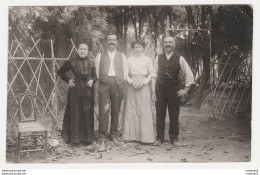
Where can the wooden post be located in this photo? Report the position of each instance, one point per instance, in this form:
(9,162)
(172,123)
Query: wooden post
(211,101)
(240,98)
(167,26)
(54,104)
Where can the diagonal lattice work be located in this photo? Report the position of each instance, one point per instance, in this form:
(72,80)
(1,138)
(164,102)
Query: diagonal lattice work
(38,75)
(231,82)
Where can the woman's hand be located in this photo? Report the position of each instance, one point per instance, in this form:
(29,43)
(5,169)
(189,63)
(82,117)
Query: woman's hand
(71,83)
(137,84)
(90,83)
(134,84)
(153,97)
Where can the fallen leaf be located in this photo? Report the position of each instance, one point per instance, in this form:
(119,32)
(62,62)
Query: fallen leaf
(221,137)
(184,160)
(138,148)
(211,148)
(93,154)
(99,156)
(140,152)
(90,148)
(169,148)
(190,146)
(150,159)
(190,152)
(205,152)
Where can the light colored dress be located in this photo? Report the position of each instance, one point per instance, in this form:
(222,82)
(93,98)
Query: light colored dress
(138,122)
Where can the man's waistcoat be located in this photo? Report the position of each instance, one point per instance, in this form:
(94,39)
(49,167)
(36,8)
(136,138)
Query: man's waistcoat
(168,70)
(105,65)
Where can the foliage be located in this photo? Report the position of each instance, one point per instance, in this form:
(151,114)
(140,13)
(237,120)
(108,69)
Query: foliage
(57,23)
(231,25)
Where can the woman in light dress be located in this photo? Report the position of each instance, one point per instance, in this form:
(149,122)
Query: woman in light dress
(138,123)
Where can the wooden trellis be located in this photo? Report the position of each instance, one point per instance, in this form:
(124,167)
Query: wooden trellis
(233,95)
(26,74)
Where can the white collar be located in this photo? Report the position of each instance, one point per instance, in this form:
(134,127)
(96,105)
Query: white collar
(111,52)
(168,56)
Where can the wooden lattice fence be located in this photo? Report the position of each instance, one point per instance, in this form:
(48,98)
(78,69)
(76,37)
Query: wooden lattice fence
(38,75)
(231,86)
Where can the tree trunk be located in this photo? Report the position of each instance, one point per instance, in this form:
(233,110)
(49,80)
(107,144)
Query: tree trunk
(125,23)
(140,29)
(140,22)
(135,27)
(134,21)
(198,98)
(155,32)
(190,16)
(125,37)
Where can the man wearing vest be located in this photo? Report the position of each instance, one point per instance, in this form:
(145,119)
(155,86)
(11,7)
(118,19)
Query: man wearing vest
(166,89)
(112,71)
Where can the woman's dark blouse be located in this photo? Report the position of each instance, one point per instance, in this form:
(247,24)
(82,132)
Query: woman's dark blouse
(83,69)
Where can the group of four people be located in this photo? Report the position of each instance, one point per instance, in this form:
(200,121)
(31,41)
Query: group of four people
(131,79)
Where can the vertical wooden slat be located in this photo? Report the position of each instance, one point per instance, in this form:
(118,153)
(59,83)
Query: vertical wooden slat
(211,101)
(240,99)
(54,93)
(221,74)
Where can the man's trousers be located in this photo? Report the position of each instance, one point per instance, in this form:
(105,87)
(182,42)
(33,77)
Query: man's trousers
(109,92)
(166,96)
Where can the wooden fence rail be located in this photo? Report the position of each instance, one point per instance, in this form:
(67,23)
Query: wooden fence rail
(38,75)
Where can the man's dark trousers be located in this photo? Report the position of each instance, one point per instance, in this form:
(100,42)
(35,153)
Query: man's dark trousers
(109,91)
(166,96)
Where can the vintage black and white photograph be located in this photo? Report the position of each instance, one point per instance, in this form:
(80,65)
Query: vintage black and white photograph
(129,84)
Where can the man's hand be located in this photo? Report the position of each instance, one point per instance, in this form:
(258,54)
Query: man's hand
(90,83)
(183,92)
(71,83)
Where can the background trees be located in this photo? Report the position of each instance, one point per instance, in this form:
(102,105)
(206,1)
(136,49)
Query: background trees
(231,32)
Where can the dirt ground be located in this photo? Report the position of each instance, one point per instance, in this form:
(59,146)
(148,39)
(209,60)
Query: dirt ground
(201,140)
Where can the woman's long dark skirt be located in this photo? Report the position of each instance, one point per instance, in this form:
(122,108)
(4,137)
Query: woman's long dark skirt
(78,122)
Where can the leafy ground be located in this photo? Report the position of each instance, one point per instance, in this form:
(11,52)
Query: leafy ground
(201,140)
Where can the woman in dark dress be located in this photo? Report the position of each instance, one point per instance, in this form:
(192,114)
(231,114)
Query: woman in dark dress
(78,121)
